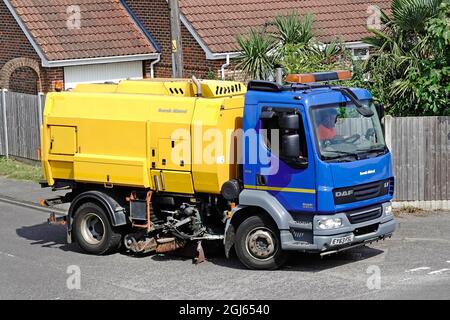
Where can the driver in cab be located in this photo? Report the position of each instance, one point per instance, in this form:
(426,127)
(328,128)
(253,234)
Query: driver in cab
(327,122)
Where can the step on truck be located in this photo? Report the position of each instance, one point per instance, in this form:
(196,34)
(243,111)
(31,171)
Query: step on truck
(264,169)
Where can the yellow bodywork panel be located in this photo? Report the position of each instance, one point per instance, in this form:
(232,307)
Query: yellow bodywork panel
(169,159)
(143,134)
(215,152)
(63,140)
(95,88)
(111,170)
(62,169)
(173,181)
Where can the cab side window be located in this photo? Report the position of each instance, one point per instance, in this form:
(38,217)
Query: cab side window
(286,125)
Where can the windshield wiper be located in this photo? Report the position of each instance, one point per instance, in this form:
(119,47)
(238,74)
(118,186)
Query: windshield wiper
(343,153)
(378,151)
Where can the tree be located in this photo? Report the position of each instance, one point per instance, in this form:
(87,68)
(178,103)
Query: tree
(314,57)
(255,59)
(291,46)
(293,29)
(409,68)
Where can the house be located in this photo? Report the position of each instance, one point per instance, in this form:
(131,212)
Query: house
(210,27)
(43,43)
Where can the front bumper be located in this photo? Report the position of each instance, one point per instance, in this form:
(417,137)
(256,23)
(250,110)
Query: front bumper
(321,240)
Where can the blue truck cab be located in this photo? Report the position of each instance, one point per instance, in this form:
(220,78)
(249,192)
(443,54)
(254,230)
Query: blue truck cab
(318,176)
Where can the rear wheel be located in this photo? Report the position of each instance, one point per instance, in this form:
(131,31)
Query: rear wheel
(93,231)
(258,244)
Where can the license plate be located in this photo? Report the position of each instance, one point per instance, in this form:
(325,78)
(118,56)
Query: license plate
(341,241)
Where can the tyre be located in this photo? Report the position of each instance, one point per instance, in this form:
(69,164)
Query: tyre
(93,231)
(258,244)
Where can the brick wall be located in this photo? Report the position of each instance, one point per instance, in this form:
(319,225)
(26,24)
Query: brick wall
(50,76)
(155,16)
(24,80)
(14,44)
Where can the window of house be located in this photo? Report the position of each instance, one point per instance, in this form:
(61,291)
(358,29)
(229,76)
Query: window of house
(360,53)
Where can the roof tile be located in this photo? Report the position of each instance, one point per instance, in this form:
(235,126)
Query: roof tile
(218,22)
(106,29)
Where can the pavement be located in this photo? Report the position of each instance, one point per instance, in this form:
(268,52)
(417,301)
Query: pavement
(37,263)
(24,190)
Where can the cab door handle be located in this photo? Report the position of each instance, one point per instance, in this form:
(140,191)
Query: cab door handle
(261,180)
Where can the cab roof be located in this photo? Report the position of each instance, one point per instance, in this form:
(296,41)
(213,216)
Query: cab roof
(310,95)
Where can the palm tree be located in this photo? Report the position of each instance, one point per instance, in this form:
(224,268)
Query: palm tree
(293,29)
(404,29)
(401,47)
(261,52)
(254,59)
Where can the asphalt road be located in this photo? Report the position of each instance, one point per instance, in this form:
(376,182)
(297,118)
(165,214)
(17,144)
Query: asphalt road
(35,260)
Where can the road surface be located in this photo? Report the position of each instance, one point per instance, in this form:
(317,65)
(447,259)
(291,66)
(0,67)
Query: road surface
(36,263)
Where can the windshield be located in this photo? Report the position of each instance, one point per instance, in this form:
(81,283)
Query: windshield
(343,134)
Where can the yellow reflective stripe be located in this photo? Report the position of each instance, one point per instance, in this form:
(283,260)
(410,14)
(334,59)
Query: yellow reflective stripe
(312,191)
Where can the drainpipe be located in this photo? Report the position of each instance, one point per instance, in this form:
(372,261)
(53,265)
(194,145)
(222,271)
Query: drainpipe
(152,69)
(279,75)
(224,66)
(40,100)
(198,85)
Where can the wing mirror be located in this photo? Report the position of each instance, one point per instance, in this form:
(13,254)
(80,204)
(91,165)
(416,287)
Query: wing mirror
(290,146)
(289,121)
(380,110)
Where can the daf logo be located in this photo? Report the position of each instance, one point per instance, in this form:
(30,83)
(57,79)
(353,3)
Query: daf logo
(341,194)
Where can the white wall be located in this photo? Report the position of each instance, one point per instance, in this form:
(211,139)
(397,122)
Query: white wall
(100,73)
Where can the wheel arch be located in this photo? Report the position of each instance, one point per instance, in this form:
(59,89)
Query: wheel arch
(255,202)
(115,212)
(239,215)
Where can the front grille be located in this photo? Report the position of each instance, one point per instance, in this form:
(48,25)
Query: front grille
(367,191)
(367,214)
(362,192)
(366,230)
(302,235)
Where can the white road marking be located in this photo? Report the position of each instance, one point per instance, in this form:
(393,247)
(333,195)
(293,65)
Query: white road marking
(418,269)
(439,271)
(425,239)
(7,254)
(448,261)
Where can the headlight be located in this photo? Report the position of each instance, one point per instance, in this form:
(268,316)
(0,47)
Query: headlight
(388,210)
(330,223)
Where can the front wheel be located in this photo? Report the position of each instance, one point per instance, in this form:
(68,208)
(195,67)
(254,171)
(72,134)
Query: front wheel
(258,244)
(92,230)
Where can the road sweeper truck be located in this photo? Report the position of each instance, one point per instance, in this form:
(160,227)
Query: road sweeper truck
(262,169)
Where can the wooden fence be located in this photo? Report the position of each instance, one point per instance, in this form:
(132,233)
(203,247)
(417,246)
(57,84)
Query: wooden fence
(23,115)
(421,155)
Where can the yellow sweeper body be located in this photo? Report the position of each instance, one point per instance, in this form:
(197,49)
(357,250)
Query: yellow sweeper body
(152,134)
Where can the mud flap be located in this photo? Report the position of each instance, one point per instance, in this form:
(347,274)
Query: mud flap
(229,239)
(200,257)
(192,250)
(54,220)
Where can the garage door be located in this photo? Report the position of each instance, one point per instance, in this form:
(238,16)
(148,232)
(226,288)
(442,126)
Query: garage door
(100,73)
